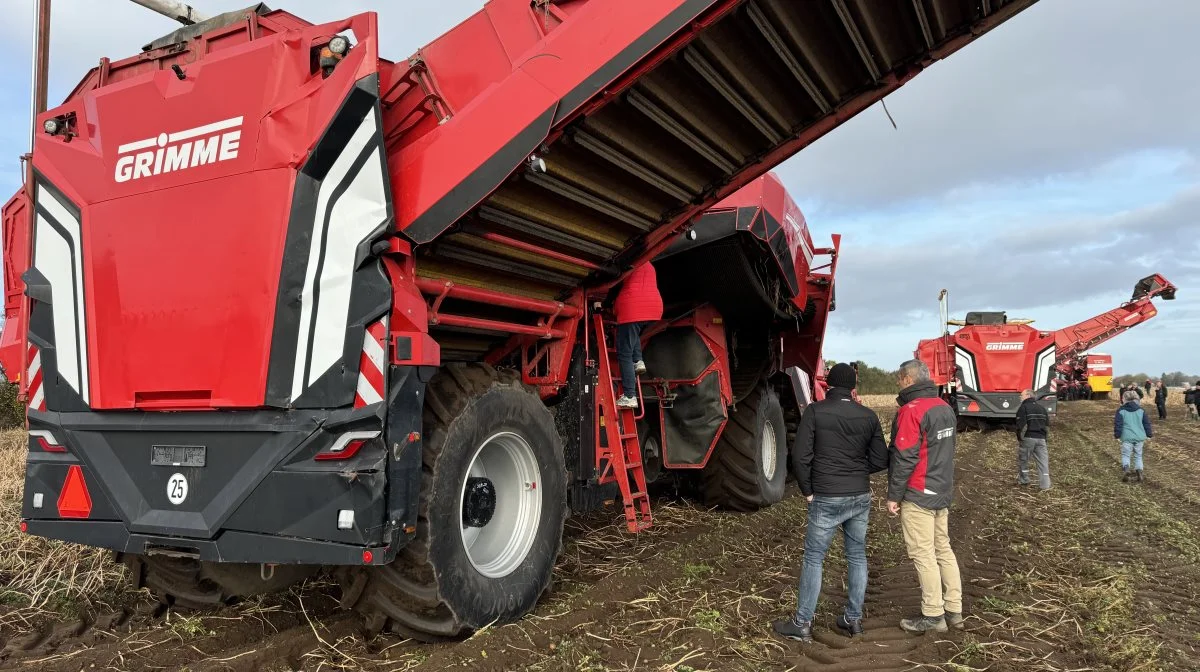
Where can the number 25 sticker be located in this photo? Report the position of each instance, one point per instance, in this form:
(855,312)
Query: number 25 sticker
(177,489)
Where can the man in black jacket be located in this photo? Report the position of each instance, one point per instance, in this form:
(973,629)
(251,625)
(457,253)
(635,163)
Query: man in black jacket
(921,476)
(1160,400)
(839,443)
(1033,428)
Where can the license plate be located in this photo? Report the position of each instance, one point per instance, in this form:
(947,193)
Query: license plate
(177,456)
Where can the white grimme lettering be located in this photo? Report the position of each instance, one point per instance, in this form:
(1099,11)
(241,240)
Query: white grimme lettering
(204,152)
(178,156)
(992,347)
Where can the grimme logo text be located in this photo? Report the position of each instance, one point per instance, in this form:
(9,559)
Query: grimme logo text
(168,153)
(992,347)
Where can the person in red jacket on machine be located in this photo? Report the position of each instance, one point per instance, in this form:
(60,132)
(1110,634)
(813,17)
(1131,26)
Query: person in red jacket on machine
(638,304)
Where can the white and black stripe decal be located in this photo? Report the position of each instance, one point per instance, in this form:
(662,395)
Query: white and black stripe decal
(351,207)
(57,255)
(341,201)
(1043,369)
(966,361)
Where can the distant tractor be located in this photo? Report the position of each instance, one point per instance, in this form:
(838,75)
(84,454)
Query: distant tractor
(1093,368)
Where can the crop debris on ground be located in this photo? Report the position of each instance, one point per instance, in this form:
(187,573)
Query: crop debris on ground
(1094,574)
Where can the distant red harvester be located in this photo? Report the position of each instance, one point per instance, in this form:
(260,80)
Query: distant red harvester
(984,365)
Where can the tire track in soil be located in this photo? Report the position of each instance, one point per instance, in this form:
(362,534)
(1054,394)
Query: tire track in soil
(142,636)
(150,636)
(1168,587)
(641,602)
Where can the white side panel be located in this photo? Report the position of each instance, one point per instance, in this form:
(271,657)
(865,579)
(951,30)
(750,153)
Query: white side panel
(358,213)
(53,257)
(969,378)
(337,174)
(1041,372)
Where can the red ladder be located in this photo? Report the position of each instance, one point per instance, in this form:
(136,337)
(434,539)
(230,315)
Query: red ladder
(621,459)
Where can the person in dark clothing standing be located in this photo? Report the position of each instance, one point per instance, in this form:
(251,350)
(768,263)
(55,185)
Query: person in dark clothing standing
(839,443)
(1033,429)
(1087,391)
(1160,400)
(1147,385)
(920,489)
(638,305)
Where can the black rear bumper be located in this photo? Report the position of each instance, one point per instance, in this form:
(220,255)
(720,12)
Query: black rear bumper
(258,496)
(230,546)
(997,405)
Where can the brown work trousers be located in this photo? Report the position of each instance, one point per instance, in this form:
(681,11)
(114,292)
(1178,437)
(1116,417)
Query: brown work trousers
(928,539)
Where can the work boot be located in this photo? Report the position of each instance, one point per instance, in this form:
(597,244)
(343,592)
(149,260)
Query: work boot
(626,402)
(923,624)
(797,631)
(1138,476)
(639,367)
(954,619)
(849,627)
(1124,479)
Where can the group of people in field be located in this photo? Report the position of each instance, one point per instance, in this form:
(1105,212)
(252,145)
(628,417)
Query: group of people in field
(1160,392)
(840,443)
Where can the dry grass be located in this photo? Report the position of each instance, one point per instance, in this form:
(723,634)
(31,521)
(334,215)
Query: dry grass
(40,577)
(879,402)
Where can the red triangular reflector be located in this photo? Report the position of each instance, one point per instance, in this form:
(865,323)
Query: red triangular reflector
(74,501)
(972,407)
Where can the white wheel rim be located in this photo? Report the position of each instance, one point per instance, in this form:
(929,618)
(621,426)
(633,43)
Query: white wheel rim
(768,450)
(500,546)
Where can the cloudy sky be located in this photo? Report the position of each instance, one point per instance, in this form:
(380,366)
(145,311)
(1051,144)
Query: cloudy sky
(1043,170)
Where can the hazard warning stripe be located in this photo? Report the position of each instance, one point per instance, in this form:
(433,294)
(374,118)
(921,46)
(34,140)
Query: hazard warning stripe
(370,366)
(37,395)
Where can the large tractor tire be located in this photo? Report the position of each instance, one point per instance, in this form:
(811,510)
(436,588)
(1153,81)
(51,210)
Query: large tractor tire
(748,469)
(493,503)
(192,584)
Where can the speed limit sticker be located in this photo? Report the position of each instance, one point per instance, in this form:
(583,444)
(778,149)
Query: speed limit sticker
(177,489)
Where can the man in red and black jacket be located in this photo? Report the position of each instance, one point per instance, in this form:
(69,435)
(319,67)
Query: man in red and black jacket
(920,488)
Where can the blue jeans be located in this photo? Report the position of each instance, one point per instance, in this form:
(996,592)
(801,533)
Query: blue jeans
(629,352)
(825,516)
(1134,448)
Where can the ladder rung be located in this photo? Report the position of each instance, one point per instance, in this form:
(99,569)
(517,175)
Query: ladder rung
(629,436)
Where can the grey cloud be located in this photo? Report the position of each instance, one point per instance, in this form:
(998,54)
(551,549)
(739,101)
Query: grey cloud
(1022,269)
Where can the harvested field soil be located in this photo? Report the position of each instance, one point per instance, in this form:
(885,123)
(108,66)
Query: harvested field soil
(1094,574)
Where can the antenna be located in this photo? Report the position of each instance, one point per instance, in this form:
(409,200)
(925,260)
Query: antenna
(944,305)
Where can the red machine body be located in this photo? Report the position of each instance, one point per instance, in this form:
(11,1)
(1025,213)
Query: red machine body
(247,254)
(986,363)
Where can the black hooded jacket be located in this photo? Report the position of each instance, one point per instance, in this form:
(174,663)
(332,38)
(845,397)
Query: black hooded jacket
(839,444)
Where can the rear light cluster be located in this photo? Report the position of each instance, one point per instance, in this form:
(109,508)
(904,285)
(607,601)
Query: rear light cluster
(347,445)
(46,441)
(75,501)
